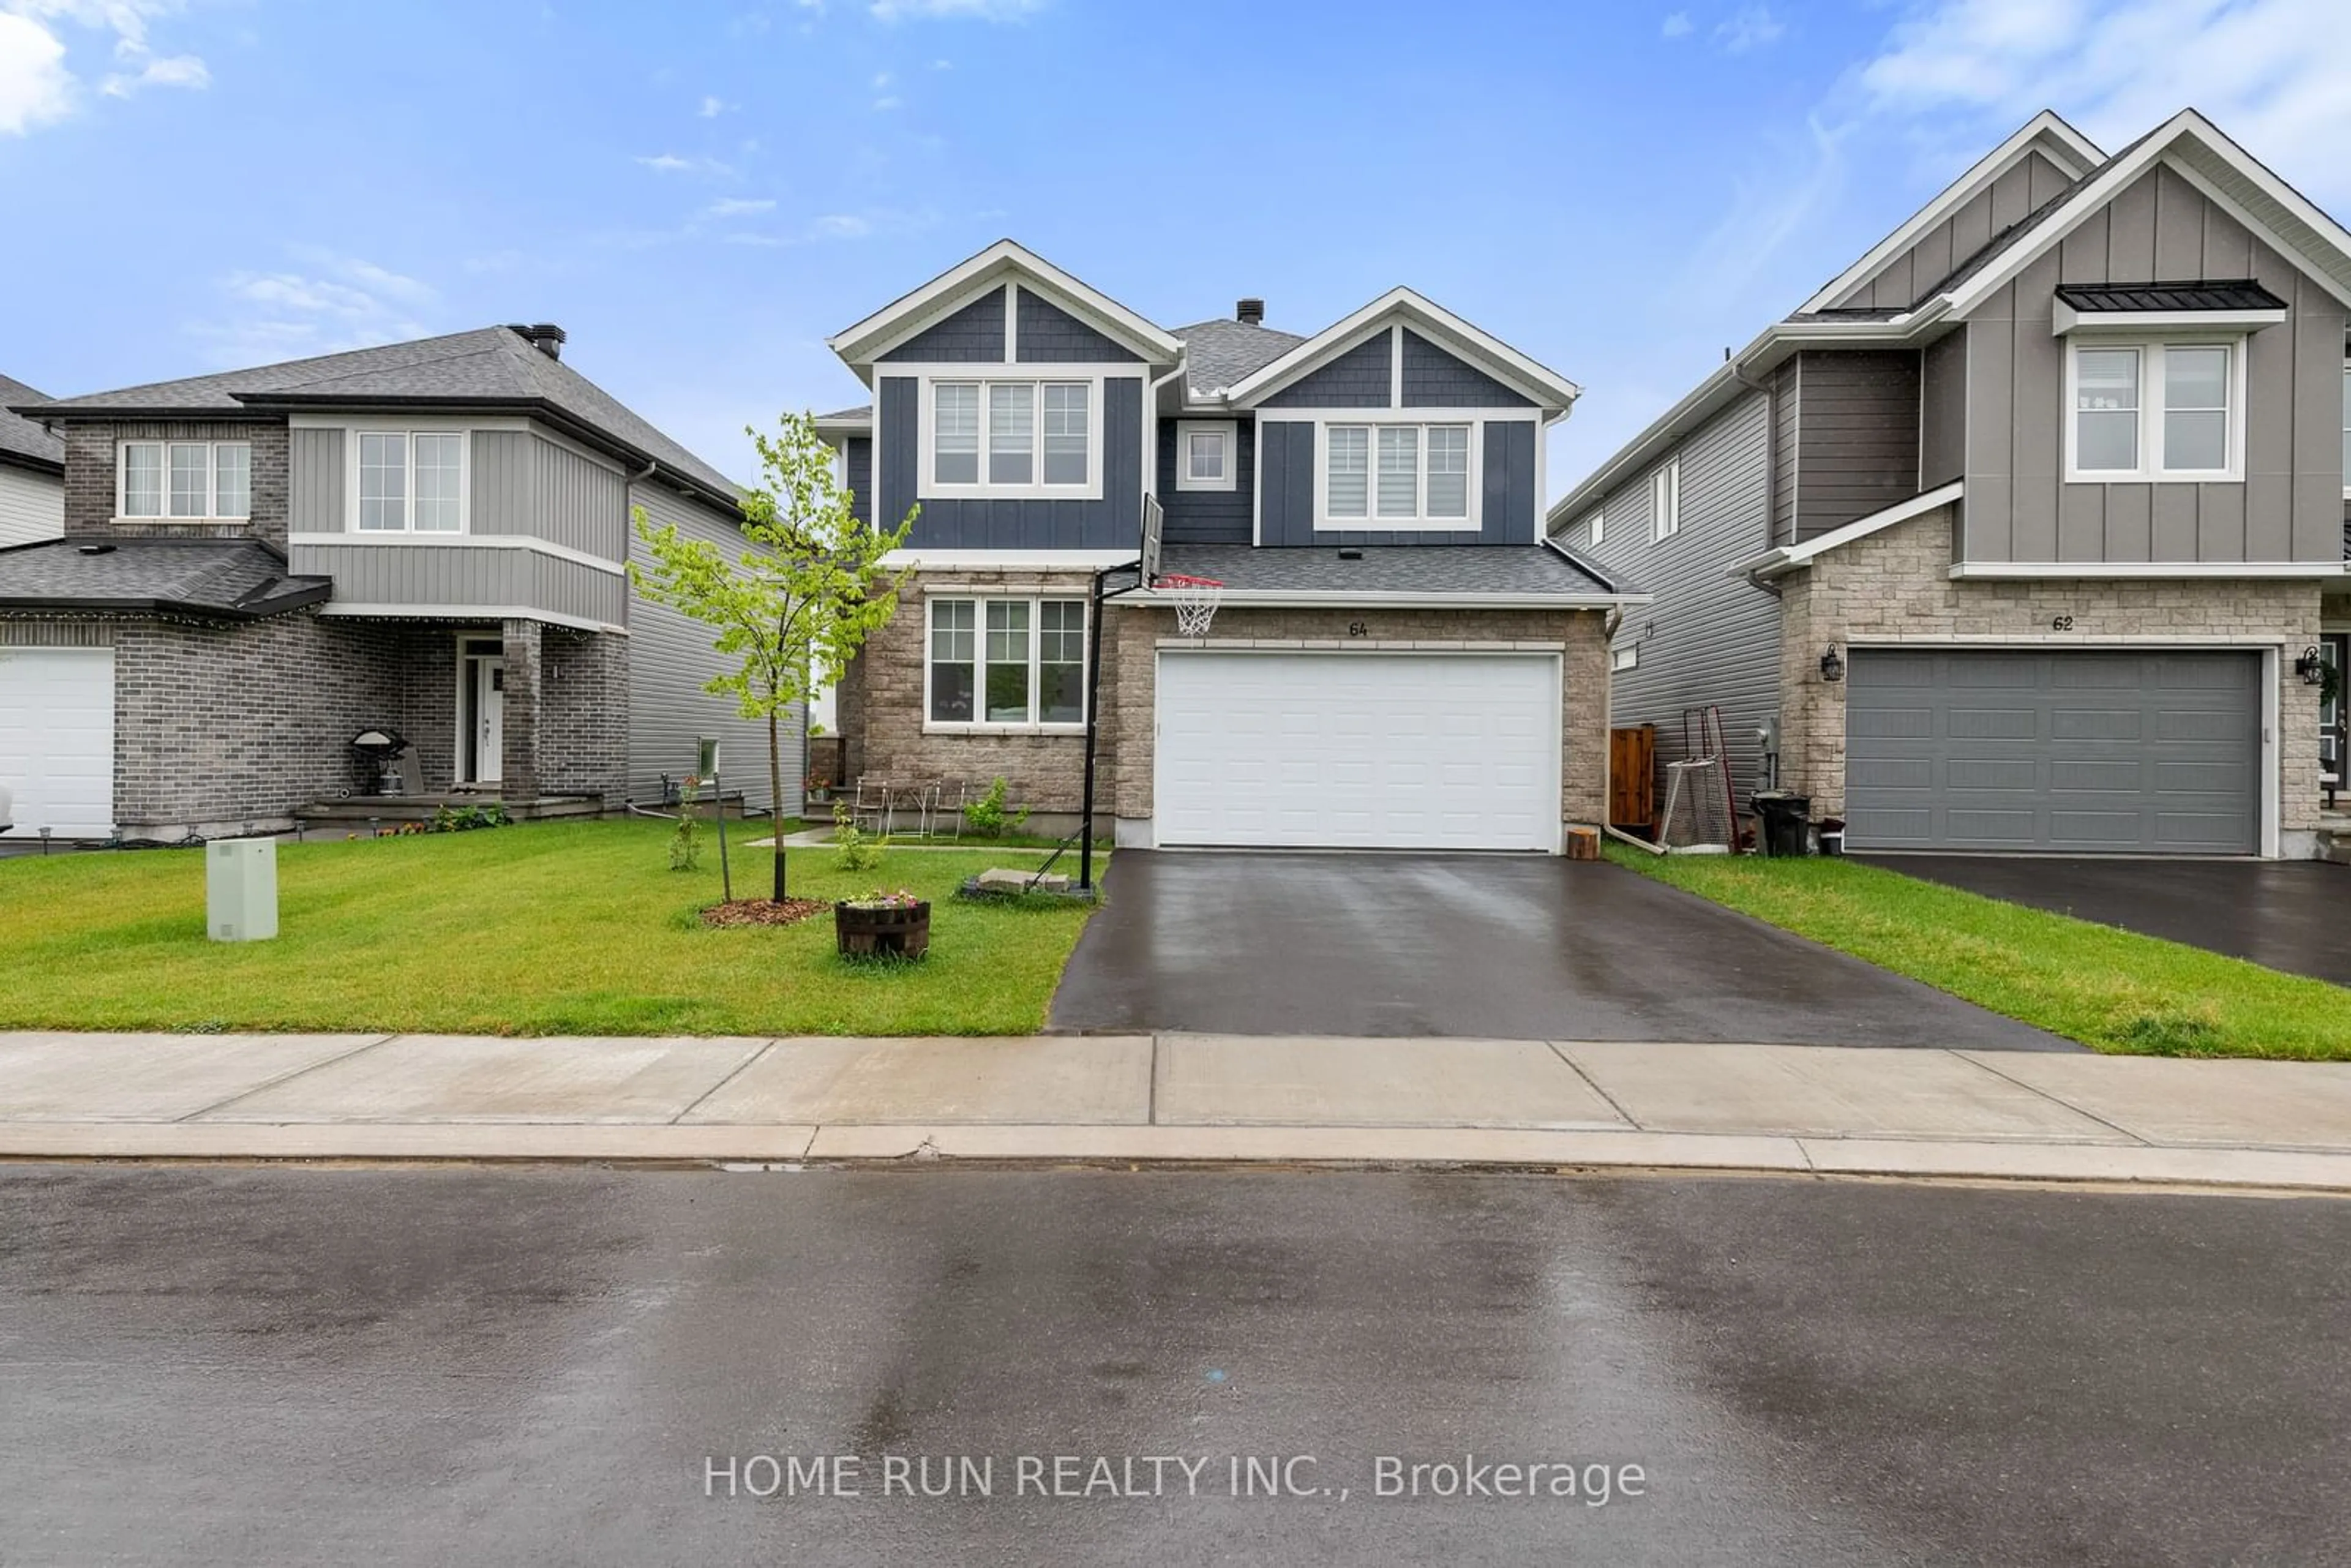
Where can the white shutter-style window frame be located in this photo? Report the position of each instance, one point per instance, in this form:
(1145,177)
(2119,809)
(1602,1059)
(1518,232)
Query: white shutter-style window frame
(1195,435)
(985,436)
(2149,417)
(1397,475)
(158,480)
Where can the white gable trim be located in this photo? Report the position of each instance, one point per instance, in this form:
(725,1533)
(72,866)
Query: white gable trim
(1005,262)
(1788,557)
(2044,132)
(2324,255)
(1529,378)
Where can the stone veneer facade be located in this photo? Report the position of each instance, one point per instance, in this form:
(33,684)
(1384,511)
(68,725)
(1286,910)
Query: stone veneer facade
(224,727)
(1895,586)
(880,697)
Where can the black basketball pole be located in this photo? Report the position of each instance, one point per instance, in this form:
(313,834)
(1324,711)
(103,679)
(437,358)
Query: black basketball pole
(1093,717)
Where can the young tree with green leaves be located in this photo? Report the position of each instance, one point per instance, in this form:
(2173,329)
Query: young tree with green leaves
(797,603)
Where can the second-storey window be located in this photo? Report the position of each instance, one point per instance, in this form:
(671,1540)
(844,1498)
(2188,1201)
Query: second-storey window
(1666,500)
(198,479)
(1007,662)
(2155,410)
(1017,435)
(1396,474)
(412,482)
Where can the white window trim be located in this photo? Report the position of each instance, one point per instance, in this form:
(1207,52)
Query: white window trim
(979,600)
(1626,656)
(1598,531)
(211,446)
(983,374)
(1666,519)
(2346,422)
(408,529)
(1324,522)
(1229,430)
(2150,411)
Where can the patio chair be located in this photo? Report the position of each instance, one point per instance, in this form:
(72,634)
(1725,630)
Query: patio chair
(871,809)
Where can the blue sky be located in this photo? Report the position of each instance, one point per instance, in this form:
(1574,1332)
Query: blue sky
(701,193)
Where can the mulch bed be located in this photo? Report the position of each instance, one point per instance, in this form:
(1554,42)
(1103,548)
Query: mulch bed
(764,912)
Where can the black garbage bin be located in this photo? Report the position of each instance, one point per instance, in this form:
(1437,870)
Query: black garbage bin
(1786,821)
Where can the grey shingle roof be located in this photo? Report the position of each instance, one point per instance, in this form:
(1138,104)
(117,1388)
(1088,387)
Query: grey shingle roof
(2235,294)
(235,579)
(1221,351)
(1393,569)
(21,440)
(490,365)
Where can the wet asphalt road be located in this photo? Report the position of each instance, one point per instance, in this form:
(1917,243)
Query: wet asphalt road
(1485,946)
(272,1366)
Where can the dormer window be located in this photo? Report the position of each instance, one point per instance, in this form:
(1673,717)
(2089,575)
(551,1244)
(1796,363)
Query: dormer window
(185,481)
(1206,454)
(1004,437)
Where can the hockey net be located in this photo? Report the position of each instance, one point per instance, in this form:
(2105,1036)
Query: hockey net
(1697,818)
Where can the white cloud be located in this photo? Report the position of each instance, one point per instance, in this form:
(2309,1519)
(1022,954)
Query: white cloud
(712,108)
(35,85)
(965,10)
(1675,26)
(739,207)
(672,163)
(842,225)
(334,303)
(2271,73)
(1750,27)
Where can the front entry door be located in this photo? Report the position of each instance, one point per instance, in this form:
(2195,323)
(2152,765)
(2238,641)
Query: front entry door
(489,719)
(2334,717)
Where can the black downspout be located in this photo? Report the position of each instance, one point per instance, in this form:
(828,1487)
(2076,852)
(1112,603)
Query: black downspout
(1093,717)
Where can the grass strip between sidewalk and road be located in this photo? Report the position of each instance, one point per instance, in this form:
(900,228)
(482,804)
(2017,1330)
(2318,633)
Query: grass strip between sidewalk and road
(2112,989)
(546,928)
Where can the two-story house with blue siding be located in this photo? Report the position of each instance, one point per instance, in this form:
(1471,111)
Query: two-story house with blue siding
(1400,657)
(428,538)
(2027,531)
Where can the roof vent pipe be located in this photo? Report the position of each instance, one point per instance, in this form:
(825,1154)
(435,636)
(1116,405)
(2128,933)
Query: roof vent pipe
(1249,312)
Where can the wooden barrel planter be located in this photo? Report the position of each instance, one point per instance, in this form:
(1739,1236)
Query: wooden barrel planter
(889,930)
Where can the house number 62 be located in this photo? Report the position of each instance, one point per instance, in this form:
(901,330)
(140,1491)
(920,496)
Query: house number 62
(2061,624)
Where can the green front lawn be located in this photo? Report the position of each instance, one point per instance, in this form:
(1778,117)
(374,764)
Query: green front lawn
(553,928)
(2111,989)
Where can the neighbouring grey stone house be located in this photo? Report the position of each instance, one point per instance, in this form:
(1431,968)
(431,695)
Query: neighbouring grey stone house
(2027,531)
(1401,659)
(430,538)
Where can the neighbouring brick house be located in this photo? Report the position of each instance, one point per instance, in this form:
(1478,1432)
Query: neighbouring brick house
(2027,531)
(1401,659)
(429,539)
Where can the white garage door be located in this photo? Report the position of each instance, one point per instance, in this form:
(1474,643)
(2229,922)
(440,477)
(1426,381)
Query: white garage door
(57,739)
(1363,750)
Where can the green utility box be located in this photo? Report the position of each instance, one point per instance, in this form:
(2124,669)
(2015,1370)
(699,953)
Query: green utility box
(241,890)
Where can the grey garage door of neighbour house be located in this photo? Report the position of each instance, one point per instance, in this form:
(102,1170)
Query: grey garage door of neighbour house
(2076,752)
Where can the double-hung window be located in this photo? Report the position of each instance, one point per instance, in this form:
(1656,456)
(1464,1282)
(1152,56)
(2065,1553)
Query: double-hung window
(1666,500)
(411,482)
(1599,534)
(1031,437)
(206,480)
(2142,411)
(1397,475)
(1002,661)
(2346,429)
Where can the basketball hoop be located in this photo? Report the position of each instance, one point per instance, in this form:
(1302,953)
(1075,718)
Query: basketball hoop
(1196,599)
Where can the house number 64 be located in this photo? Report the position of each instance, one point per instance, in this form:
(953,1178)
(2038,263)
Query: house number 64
(1359,628)
(2061,624)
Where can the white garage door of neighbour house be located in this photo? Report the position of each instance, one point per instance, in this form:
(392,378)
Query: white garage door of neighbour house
(1358,750)
(57,740)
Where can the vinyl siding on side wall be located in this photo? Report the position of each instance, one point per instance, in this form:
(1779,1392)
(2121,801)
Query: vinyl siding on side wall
(315,499)
(32,505)
(670,657)
(1707,636)
(1906,278)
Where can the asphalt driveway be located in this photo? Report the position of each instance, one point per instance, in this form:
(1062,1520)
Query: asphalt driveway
(1487,946)
(2285,915)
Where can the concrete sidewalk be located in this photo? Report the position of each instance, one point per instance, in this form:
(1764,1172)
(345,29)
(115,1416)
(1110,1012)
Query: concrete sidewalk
(1180,1097)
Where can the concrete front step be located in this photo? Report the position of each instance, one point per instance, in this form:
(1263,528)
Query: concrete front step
(423,807)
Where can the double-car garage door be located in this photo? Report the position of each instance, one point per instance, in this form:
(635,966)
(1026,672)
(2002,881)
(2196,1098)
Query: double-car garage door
(2074,751)
(57,740)
(1358,750)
